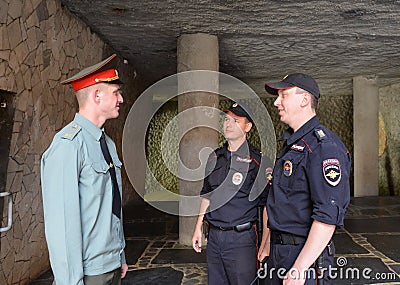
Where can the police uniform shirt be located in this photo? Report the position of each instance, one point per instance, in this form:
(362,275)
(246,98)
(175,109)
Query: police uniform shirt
(230,177)
(310,180)
(84,237)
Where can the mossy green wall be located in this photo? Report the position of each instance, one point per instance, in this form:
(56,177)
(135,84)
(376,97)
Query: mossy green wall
(389,140)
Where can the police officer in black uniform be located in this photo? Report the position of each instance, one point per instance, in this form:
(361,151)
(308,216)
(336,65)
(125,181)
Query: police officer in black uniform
(230,195)
(310,188)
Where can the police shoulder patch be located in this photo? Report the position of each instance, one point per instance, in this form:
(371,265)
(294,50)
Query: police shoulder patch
(71,132)
(268,175)
(331,171)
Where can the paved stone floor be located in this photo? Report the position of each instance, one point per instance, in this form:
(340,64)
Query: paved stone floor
(367,249)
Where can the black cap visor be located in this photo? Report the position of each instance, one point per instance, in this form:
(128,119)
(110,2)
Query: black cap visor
(272,88)
(239,113)
(116,81)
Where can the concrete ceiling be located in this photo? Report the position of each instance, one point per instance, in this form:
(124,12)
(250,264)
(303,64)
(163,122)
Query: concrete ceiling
(333,41)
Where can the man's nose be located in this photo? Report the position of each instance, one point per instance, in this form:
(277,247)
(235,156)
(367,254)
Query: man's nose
(277,102)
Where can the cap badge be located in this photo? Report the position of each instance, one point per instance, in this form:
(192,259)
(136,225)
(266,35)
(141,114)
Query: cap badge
(237,178)
(287,168)
(235,105)
(285,76)
(331,170)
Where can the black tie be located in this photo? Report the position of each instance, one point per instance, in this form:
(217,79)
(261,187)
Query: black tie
(116,204)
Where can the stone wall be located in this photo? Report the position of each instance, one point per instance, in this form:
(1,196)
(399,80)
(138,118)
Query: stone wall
(41,43)
(389,140)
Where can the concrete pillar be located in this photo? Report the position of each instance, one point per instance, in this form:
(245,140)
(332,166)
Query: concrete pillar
(366,139)
(195,52)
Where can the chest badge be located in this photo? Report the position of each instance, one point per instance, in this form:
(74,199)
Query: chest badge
(237,178)
(298,147)
(287,168)
(332,172)
(243,159)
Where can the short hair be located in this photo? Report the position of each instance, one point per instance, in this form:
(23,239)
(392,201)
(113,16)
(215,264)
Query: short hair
(314,100)
(82,95)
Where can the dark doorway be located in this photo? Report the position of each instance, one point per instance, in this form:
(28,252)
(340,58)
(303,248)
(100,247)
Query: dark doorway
(7,107)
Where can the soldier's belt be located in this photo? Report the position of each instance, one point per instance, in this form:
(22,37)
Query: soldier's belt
(286,238)
(239,228)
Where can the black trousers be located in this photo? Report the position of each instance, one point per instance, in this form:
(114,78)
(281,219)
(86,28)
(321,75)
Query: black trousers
(231,257)
(283,256)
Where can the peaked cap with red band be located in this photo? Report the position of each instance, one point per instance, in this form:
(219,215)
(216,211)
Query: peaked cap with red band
(93,75)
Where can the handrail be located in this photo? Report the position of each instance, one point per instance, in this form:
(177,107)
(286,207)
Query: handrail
(9,223)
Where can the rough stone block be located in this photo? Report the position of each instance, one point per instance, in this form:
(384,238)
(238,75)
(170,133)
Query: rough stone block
(2,68)
(54,71)
(15,9)
(21,52)
(14,34)
(32,21)
(66,23)
(42,12)
(36,3)
(26,10)
(19,80)
(13,62)
(35,80)
(39,57)
(32,41)
(70,48)
(4,54)
(4,43)
(27,75)
(52,7)
(3,12)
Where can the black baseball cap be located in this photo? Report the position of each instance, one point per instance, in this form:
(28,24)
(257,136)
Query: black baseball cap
(300,80)
(241,110)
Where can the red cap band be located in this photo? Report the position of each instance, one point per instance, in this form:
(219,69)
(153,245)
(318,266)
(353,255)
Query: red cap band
(103,76)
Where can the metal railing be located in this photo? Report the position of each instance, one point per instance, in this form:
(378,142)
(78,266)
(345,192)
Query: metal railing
(9,215)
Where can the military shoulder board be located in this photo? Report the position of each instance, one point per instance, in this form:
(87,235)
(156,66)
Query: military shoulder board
(320,134)
(71,132)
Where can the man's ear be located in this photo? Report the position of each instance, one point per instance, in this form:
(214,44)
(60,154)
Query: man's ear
(96,95)
(306,99)
(249,125)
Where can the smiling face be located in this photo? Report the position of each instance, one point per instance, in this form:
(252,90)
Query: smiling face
(235,127)
(290,103)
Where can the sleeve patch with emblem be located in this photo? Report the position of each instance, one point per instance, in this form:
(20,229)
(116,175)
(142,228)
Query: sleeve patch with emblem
(331,171)
(268,174)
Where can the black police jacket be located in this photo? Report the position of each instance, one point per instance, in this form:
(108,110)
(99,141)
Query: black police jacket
(310,180)
(235,184)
